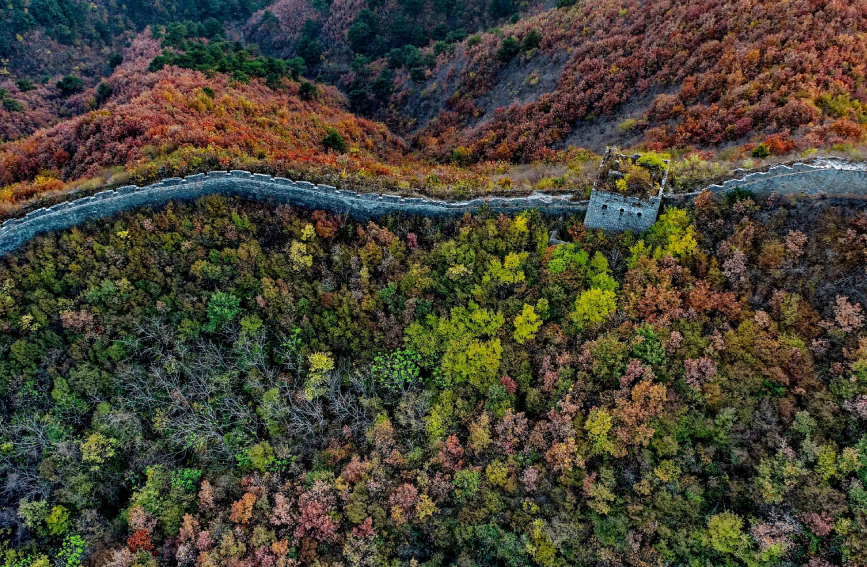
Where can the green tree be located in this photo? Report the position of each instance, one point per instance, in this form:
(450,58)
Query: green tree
(532,40)
(308,91)
(69,85)
(310,50)
(186,479)
(396,371)
(761,151)
(464,343)
(383,84)
(103,93)
(261,456)
(500,8)
(598,426)
(363,32)
(725,532)
(34,514)
(212,28)
(12,105)
(567,257)
(526,324)
(58,521)
(71,552)
(673,234)
(222,309)
(24,85)
(467,484)
(593,306)
(334,141)
(509,47)
(321,363)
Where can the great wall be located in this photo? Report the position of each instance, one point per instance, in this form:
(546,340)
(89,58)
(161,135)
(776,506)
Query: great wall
(828,177)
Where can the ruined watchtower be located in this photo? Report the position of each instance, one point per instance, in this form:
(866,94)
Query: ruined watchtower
(627,194)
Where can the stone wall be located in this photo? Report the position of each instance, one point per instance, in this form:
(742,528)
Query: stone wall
(828,177)
(16,232)
(610,211)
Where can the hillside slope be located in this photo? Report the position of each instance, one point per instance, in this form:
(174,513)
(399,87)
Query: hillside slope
(714,83)
(176,121)
(282,28)
(696,73)
(54,36)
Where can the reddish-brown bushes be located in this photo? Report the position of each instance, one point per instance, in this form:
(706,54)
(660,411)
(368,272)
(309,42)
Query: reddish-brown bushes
(741,66)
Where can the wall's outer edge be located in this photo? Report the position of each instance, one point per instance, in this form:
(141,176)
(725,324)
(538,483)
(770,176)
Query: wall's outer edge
(16,232)
(799,178)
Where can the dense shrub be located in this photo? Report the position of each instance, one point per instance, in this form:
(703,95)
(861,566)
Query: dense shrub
(69,85)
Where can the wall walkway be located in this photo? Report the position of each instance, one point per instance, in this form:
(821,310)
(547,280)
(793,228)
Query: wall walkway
(16,232)
(828,177)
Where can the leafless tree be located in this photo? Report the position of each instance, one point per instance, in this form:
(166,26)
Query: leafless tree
(31,438)
(203,394)
(24,482)
(30,435)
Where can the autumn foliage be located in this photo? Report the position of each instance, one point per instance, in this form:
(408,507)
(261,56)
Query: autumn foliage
(265,385)
(706,72)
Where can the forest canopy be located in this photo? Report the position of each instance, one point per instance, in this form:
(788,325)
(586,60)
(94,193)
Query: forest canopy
(230,383)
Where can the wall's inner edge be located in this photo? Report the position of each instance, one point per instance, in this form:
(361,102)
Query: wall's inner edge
(828,178)
(16,232)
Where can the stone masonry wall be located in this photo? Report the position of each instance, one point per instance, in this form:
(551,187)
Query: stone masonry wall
(615,212)
(16,232)
(830,178)
(610,211)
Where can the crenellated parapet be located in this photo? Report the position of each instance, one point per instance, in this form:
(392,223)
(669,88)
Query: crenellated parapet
(256,186)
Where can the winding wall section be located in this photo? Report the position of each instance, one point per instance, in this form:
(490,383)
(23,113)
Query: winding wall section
(826,177)
(16,232)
